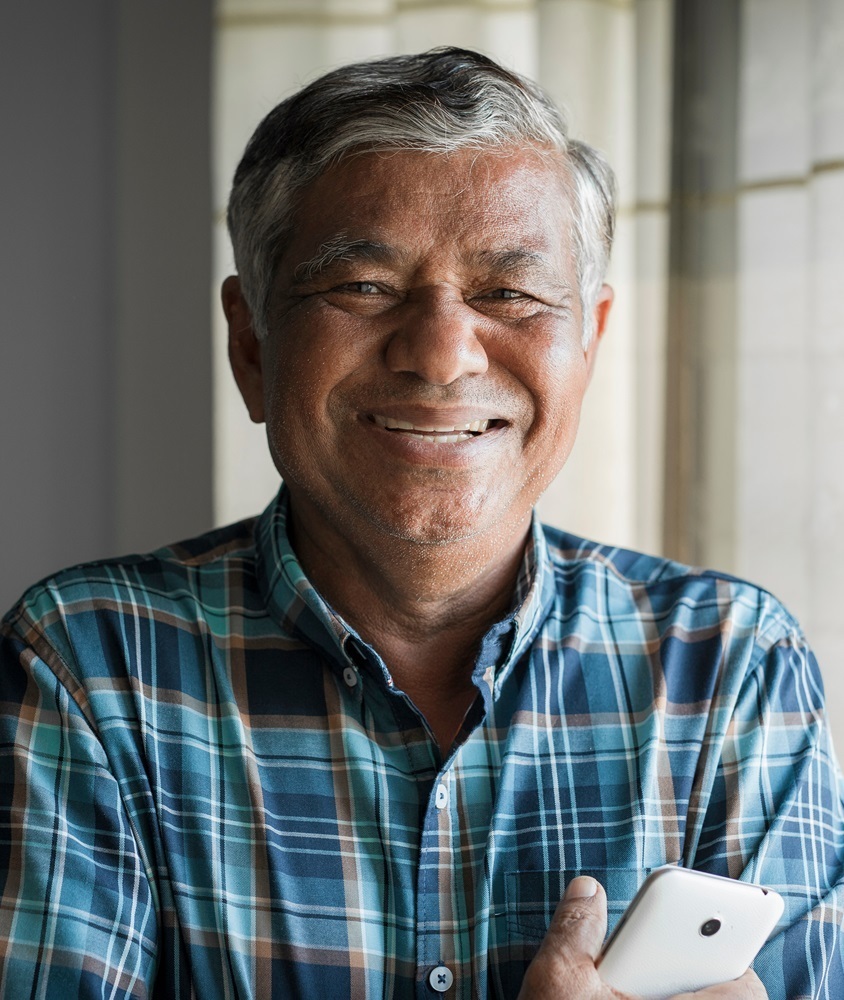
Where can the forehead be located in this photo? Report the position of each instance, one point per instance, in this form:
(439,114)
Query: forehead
(458,203)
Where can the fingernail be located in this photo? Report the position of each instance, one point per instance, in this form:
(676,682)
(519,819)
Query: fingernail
(581,887)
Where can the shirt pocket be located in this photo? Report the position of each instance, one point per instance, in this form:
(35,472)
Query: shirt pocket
(533,896)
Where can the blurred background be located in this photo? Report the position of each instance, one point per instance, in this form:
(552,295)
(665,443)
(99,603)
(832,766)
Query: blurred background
(714,428)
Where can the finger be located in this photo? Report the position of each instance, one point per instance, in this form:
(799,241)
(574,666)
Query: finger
(746,987)
(580,921)
(565,963)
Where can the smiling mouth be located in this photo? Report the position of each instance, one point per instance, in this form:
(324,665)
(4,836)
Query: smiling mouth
(437,434)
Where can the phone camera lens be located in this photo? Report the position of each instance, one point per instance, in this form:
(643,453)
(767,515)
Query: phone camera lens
(710,927)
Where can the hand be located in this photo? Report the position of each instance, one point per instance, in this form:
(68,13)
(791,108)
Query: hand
(564,967)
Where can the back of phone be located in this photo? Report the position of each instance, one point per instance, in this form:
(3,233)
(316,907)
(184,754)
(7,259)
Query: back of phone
(686,930)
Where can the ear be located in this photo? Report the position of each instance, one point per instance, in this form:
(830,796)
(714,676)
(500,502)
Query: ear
(600,317)
(244,349)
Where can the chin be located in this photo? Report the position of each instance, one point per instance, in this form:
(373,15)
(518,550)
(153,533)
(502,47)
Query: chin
(442,523)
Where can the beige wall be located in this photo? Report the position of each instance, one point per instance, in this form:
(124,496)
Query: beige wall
(756,366)
(789,499)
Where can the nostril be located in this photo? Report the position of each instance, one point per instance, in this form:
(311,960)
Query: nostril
(438,352)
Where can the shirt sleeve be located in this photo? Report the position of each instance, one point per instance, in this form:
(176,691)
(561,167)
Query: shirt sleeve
(77,913)
(775,817)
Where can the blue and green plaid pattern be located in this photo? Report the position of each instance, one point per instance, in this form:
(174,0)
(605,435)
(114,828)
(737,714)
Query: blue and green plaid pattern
(210,787)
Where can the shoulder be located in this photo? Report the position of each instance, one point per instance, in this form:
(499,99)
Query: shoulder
(702,636)
(686,599)
(176,586)
(182,569)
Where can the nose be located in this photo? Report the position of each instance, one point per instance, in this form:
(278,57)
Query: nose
(437,339)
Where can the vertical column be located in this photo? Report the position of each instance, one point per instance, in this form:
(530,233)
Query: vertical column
(701,362)
(651,218)
(826,543)
(755,423)
(587,62)
(790,496)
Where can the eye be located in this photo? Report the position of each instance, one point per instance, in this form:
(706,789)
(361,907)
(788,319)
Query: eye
(361,298)
(497,298)
(509,305)
(359,288)
(505,295)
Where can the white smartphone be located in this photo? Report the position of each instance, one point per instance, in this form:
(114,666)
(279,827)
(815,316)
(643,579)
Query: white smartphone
(686,930)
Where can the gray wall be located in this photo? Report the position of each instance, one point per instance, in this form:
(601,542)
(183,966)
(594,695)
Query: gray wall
(105,264)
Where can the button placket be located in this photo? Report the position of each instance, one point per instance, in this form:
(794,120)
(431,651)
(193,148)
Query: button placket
(435,946)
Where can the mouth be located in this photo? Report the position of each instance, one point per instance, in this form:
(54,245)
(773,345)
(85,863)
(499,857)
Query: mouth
(436,433)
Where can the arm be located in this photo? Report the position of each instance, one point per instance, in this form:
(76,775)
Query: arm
(77,914)
(774,816)
(564,968)
(767,807)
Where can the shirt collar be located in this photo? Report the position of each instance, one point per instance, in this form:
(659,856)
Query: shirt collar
(298,607)
(291,598)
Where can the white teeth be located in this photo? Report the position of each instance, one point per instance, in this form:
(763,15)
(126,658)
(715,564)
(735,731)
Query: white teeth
(394,425)
(441,438)
(460,432)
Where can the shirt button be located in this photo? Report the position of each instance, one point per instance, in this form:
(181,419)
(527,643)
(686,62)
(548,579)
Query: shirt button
(350,677)
(441,799)
(441,978)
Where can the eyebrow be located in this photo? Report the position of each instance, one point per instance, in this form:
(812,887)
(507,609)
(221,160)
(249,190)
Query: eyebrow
(520,260)
(515,259)
(342,248)
(510,259)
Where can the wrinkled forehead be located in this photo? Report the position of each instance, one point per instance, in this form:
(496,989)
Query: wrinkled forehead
(473,200)
(487,166)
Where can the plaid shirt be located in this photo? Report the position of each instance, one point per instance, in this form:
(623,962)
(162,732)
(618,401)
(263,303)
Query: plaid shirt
(211,788)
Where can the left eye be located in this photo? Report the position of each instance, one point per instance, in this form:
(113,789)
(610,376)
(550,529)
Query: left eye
(506,293)
(361,287)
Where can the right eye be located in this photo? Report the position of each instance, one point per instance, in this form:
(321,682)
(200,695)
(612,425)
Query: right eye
(359,288)
(363,298)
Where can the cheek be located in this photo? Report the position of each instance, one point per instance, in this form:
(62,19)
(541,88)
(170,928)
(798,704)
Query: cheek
(558,406)
(302,378)
(557,379)
(289,400)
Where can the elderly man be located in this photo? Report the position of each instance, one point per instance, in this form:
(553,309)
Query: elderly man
(362,745)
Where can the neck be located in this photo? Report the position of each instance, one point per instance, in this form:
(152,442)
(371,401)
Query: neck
(393,587)
(423,607)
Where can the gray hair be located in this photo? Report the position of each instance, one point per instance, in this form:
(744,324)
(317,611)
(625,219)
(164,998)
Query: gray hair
(440,101)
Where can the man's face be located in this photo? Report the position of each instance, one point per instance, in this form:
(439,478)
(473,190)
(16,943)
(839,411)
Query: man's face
(423,373)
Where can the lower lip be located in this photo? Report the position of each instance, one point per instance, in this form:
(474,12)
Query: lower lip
(428,451)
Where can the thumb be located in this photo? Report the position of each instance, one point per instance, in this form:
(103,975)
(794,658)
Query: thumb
(567,955)
(580,921)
